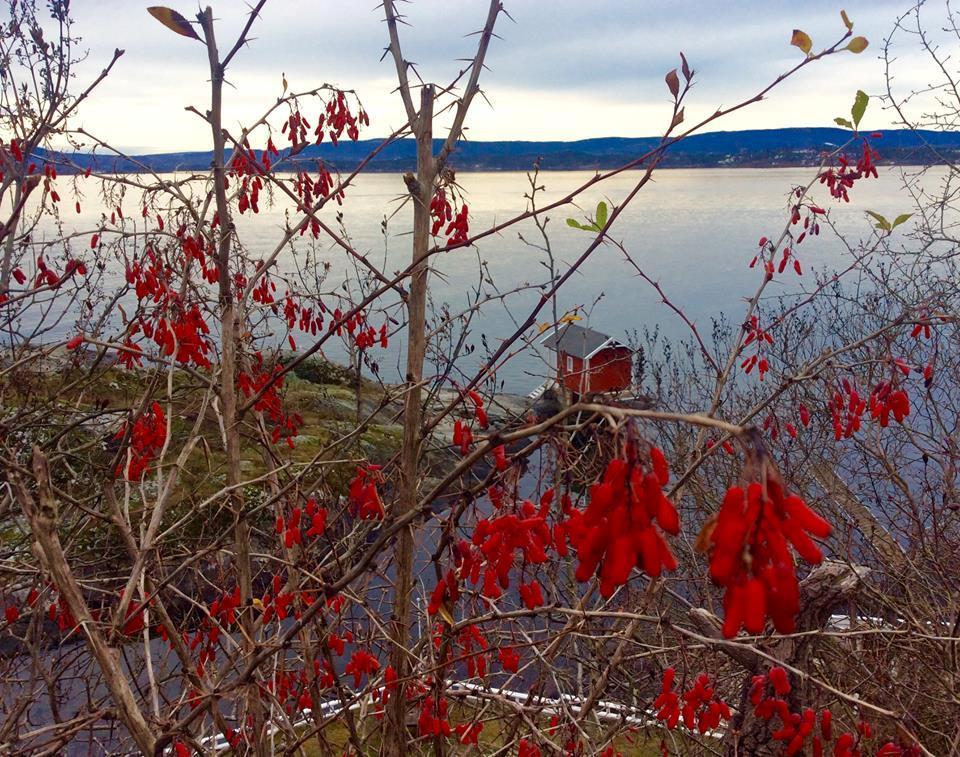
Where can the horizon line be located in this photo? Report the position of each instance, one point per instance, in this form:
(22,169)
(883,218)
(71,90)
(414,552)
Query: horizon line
(149,151)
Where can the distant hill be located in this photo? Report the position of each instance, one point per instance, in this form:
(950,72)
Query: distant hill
(755,147)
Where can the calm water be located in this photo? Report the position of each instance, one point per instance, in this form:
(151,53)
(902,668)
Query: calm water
(693,230)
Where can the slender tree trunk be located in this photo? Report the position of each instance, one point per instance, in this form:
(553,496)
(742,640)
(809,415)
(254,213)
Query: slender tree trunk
(395,741)
(7,265)
(228,368)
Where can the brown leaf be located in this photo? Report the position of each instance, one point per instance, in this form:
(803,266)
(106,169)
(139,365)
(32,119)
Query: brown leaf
(677,119)
(802,40)
(172,20)
(846,21)
(445,613)
(685,67)
(673,82)
(857,44)
(702,543)
(37,34)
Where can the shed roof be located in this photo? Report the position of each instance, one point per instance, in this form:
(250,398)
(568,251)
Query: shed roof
(578,341)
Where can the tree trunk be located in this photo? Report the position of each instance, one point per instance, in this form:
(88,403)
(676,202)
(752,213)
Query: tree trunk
(395,738)
(228,368)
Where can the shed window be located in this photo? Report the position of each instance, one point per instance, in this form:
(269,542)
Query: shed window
(569,364)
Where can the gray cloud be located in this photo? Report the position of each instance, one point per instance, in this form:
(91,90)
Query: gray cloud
(564,69)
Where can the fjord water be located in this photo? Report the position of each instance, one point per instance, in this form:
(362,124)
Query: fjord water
(692,230)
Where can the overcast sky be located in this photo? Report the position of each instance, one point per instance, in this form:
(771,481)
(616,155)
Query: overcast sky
(565,69)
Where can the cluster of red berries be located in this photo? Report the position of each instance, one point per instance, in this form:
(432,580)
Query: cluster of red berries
(921,328)
(463,433)
(469,733)
(295,127)
(462,436)
(59,612)
(846,408)
(369,337)
(361,663)
(270,149)
(177,328)
(531,595)
(768,696)
(760,337)
(338,118)
(527,748)
(446,590)
(509,659)
(250,200)
(433,720)
(701,709)
(364,497)
(886,400)
(293,688)
(46,276)
(811,225)
(840,180)
(195,248)
(263,292)
(496,543)
(292,526)
(500,539)
(751,556)
(474,646)
(245,166)
(147,437)
(310,190)
(619,529)
(134,622)
(278,604)
(49,176)
(15,149)
(285,425)
(771,425)
(11,613)
(442,212)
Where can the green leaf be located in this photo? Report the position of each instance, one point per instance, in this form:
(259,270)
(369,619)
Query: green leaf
(843,122)
(802,40)
(882,223)
(172,20)
(582,226)
(601,214)
(902,218)
(857,45)
(859,106)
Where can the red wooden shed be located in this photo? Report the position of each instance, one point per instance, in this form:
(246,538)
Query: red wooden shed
(589,362)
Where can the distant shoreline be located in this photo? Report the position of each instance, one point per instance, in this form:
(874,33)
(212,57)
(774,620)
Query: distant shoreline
(661,167)
(759,148)
(283,171)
